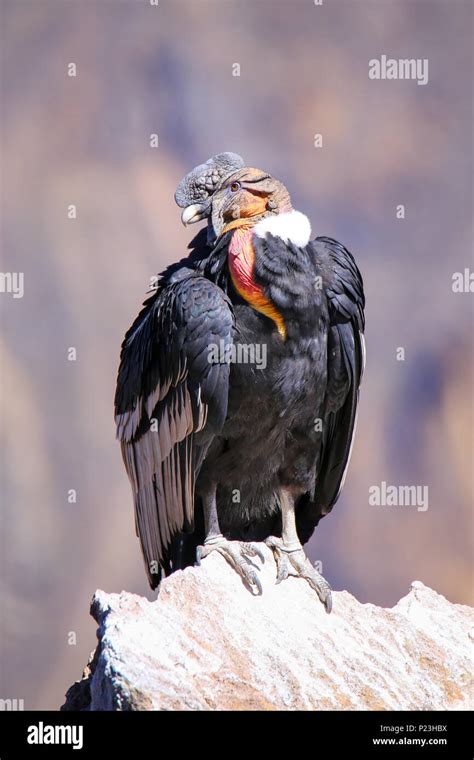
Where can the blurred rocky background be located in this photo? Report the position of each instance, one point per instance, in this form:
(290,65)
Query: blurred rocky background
(85,140)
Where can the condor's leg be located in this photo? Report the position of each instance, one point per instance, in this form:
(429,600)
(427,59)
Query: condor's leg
(237,553)
(289,553)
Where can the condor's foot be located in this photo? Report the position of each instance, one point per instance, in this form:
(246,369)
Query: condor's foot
(239,555)
(292,555)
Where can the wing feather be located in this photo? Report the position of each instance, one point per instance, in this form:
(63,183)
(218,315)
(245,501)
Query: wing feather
(346,359)
(167,392)
(346,302)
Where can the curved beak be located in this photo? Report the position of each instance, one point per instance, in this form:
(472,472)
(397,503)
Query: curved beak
(194,213)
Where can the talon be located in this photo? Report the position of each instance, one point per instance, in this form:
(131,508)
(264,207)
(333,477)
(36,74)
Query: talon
(289,553)
(282,574)
(282,565)
(259,553)
(254,551)
(328,603)
(238,554)
(256,580)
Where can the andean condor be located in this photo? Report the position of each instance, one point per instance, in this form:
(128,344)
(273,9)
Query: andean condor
(222,452)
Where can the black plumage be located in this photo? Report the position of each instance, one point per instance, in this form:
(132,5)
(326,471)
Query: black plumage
(257,436)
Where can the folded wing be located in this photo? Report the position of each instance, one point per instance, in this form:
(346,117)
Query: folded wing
(171,399)
(342,283)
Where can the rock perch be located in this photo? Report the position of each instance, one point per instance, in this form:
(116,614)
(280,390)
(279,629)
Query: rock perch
(208,644)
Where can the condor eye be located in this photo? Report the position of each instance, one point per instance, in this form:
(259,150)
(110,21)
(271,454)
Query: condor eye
(235,186)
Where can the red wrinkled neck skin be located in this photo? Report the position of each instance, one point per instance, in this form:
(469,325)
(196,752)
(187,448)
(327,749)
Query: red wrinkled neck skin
(241,260)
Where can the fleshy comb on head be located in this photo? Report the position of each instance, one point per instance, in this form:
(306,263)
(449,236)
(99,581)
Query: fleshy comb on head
(205,179)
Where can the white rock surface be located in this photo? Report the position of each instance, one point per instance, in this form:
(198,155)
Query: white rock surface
(208,644)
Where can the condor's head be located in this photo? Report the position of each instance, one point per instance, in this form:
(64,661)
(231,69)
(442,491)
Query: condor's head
(246,197)
(231,195)
(247,202)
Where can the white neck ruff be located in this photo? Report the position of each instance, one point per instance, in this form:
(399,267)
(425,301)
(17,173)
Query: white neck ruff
(291,226)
